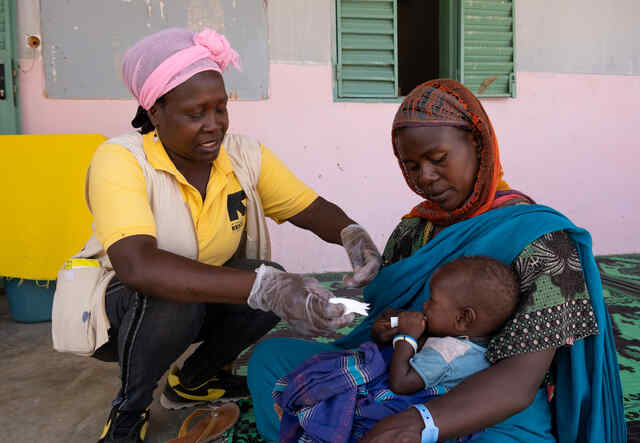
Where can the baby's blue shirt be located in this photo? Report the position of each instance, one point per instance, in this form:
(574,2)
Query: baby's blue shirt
(446,361)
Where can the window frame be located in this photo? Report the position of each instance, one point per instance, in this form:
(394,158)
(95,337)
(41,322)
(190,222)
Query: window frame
(453,62)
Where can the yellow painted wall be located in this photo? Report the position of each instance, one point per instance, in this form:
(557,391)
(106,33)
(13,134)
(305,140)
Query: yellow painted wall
(43,215)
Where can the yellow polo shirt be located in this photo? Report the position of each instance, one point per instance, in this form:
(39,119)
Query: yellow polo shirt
(120,206)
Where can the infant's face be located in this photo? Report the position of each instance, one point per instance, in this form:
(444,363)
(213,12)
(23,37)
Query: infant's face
(440,311)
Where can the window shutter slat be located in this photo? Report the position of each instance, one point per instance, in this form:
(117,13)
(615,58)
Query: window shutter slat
(367,48)
(488,42)
(3,36)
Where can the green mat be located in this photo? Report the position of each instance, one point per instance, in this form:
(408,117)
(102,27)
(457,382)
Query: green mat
(621,282)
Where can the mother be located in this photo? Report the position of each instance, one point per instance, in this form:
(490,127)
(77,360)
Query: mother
(559,337)
(179,209)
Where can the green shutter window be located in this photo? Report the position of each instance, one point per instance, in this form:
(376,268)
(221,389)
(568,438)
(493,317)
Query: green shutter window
(487,47)
(366,49)
(476,45)
(9,117)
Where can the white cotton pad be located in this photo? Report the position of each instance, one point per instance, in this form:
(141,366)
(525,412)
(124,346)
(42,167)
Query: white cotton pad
(354,306)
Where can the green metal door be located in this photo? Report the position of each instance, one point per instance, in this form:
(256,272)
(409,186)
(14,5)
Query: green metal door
(9,115)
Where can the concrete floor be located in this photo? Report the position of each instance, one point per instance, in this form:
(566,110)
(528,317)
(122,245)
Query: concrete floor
(47,396)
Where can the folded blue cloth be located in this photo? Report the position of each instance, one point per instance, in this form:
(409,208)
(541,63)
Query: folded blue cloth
(336,397)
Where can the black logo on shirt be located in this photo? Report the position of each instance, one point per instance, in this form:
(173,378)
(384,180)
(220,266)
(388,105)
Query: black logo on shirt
(236,208)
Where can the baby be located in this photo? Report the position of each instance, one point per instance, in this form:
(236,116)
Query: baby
(338,396)
(471,298)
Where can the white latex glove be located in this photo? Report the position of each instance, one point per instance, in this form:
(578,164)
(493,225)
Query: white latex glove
(302,301)
(364,256)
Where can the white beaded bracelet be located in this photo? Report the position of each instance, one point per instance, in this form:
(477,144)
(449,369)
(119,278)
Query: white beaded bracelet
(409,339)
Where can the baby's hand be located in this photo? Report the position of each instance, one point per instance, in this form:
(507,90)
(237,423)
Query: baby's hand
(411,323)
(388,313)
(381,330)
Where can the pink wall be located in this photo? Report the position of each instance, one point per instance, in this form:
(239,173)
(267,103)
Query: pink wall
(567,141)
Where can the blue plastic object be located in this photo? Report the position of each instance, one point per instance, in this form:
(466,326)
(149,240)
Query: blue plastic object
(30,301)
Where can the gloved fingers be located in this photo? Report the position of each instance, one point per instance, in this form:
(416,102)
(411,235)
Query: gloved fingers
(312,285)
(340,322)
(355,240)
(320,300)
(327,309)
(363,255)
(303,303)
(326,316)
(324,326)
(349,282)
(285,295)
(365,273)
(264,285)
(370,268)
(357,261)
(355,252)
(317,325)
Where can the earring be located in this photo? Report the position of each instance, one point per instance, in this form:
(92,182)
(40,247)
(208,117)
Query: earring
(155,135)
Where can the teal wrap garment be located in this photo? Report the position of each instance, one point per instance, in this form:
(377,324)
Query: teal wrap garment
(588,402)
(588,396)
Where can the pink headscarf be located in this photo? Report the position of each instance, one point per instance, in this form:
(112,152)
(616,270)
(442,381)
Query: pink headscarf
(161,61)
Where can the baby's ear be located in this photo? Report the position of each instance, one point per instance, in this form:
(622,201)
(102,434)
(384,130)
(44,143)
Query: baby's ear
(465,319)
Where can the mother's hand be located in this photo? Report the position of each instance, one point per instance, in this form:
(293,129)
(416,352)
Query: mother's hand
(403,427)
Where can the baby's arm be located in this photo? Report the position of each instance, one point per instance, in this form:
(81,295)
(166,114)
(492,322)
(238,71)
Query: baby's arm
(403,379)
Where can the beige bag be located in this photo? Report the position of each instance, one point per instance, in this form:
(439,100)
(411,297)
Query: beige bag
(82,283)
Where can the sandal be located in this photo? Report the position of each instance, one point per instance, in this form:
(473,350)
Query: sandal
(216,421)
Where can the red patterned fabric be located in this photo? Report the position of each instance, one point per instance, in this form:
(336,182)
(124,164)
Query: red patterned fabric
(447,102)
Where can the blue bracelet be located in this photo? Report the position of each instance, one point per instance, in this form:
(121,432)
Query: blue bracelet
(430,431)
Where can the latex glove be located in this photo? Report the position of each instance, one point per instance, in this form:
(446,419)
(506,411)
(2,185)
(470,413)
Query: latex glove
(301,301)
(363,254)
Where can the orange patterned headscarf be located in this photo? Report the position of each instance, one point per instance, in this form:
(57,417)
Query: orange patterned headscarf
(449,103)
